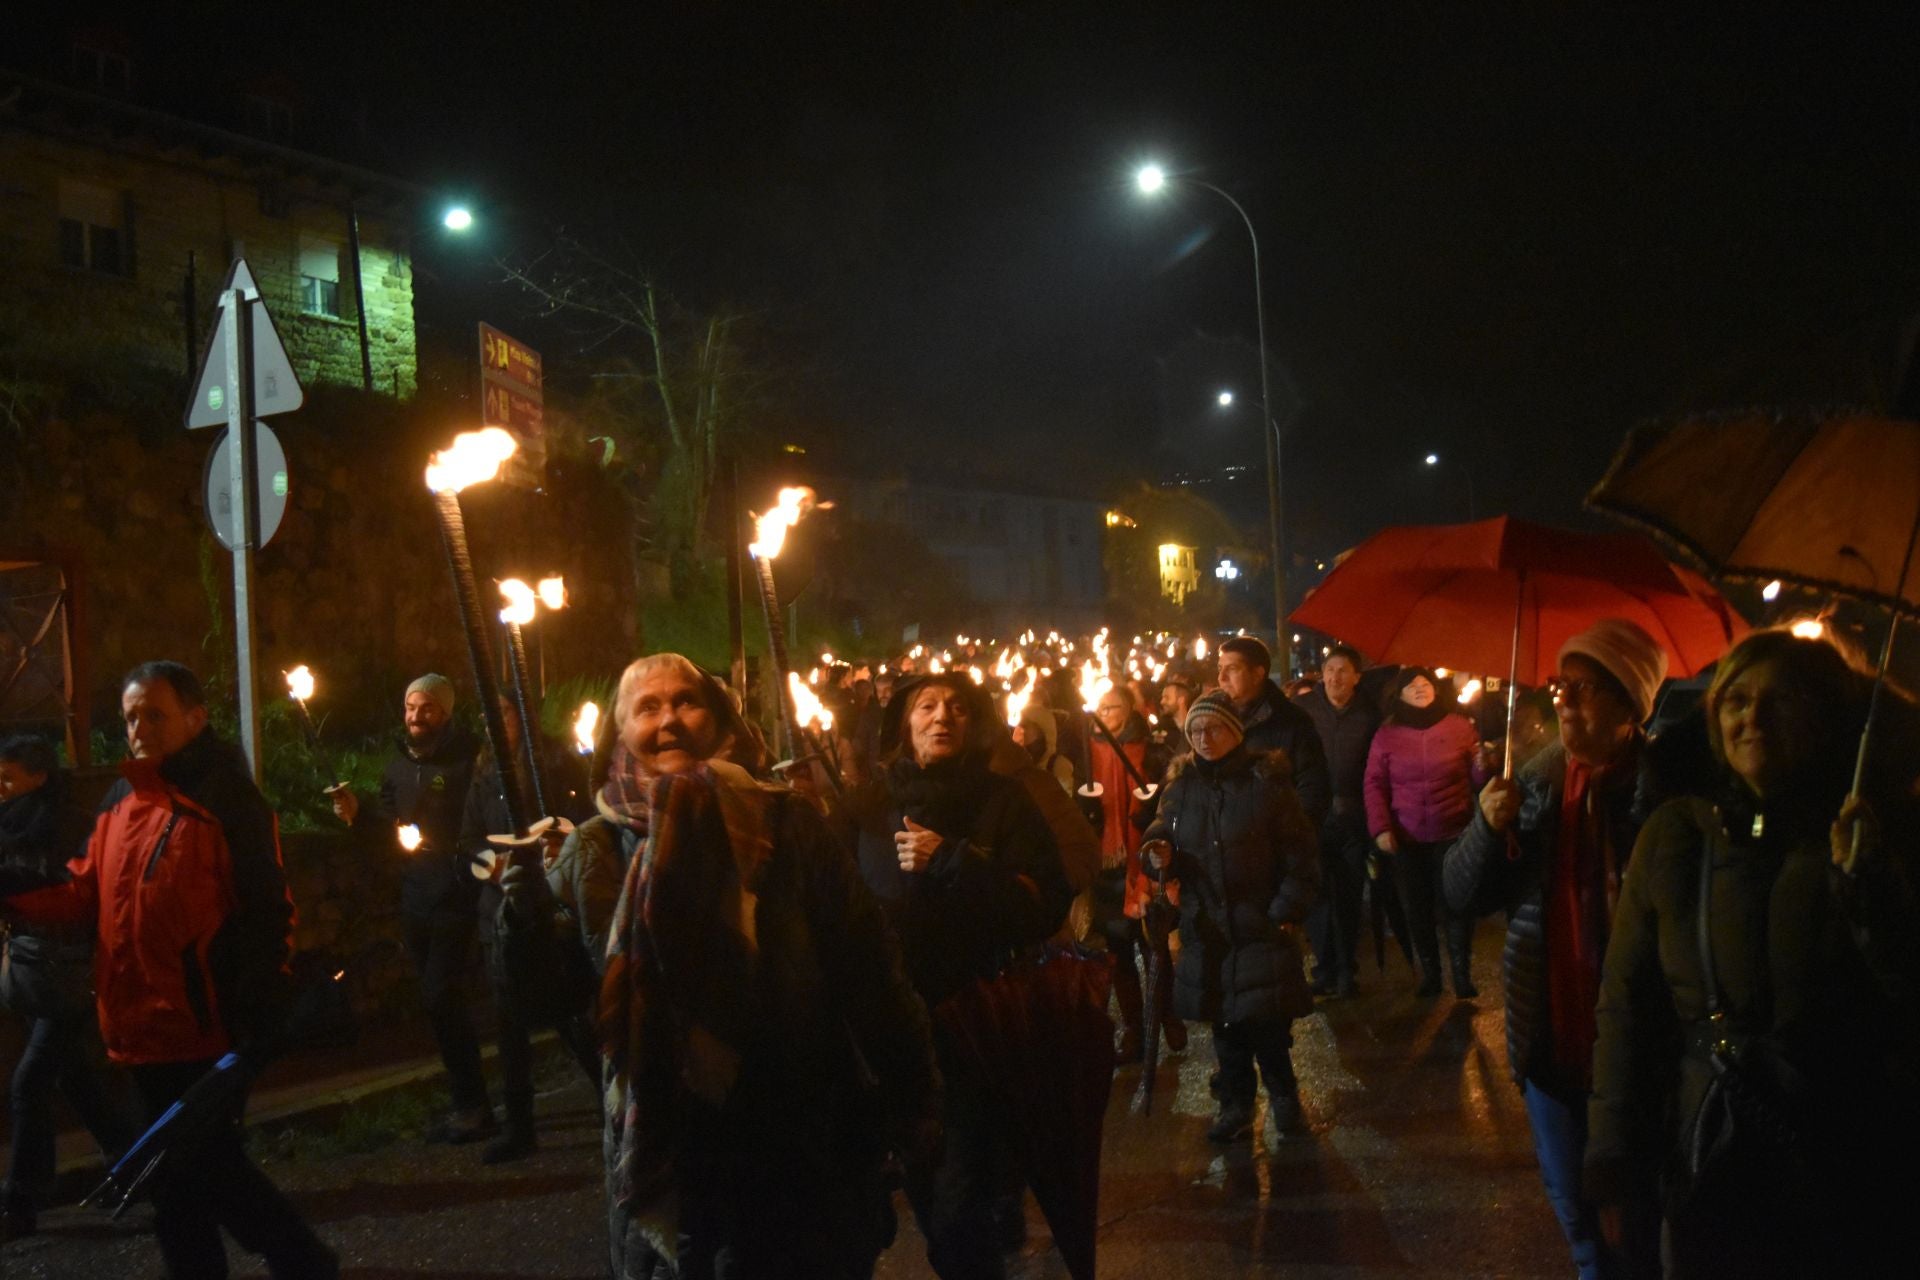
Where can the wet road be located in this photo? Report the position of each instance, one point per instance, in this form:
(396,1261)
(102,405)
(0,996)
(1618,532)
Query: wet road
(1415,1162)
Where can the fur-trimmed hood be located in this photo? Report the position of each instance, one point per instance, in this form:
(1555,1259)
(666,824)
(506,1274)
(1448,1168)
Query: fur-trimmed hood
(1272,765)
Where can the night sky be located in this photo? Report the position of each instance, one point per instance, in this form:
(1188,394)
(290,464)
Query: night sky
(1503,232)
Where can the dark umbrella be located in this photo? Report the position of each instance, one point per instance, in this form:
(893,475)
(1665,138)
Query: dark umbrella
(1039,1035)
(1827,501)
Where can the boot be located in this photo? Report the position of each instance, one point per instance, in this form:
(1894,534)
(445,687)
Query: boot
(1285,1108)
(1234,1122)
(1126,994)
(460,1127)
(1429,978)
(1459,951)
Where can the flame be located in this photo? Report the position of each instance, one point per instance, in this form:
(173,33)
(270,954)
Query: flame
(476,457)
(1095,683)
(770,530)
(1007,663)
(1469,691)
(409,837)
(300,683)
(520,602)
(807,709)
(1200,649)
(1771,591)
(976,675)
(1809,629)
(826,659)
(553,592)
(1018,699)
(586,723)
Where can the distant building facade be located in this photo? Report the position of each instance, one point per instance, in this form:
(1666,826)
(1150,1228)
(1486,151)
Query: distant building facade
(1029,560)
(118,221)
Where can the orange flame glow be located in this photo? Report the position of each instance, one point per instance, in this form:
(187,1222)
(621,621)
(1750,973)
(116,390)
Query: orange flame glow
(409,837)
(474,458)
(1018,699)
(586,722)
(807,709)
(553,592)
(770,530)
(300,683)
(520,602)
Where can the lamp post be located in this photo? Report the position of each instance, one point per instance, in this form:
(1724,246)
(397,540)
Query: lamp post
(1152,179)
(1435,461)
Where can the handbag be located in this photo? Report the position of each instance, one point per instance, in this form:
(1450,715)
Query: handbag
(1742,1145)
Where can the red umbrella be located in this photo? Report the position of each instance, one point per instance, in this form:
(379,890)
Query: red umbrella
(1505,594)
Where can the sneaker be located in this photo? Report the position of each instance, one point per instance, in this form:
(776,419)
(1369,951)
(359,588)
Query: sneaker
(1234,1122)
(462,1127)
(514,1144)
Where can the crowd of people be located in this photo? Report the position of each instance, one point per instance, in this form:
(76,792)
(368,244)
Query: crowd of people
(1710,972)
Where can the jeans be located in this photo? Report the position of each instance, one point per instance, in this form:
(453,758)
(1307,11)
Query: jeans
(215,1185)
(1333,926)
(442,951)
(58,1053)
(1559,1127)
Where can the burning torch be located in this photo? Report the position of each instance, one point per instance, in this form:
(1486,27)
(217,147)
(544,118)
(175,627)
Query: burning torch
(770,534)
(300,688)
(474,458)
(521,602)
(1095,684)
(815,724)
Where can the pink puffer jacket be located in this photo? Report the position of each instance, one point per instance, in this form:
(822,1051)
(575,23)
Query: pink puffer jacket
(1421,782)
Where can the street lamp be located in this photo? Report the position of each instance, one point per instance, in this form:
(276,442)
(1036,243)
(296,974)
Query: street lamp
(1225,398)
(458,218)
(1434,460)
(1153,179)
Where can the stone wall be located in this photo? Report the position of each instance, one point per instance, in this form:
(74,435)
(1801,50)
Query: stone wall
(169,204)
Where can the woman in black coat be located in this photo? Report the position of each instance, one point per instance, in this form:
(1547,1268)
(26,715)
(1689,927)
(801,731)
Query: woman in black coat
(969,873)
(1232,831)
(48,980)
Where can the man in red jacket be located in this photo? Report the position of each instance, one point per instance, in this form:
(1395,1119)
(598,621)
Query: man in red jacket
(182,875)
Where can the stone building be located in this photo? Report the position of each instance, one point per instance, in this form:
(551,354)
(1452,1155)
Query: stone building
(118,220)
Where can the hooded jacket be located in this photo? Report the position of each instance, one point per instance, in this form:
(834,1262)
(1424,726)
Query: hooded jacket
(1041,721)
(182,878)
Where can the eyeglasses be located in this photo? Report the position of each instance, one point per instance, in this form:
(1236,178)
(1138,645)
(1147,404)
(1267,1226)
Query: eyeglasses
(1572,692)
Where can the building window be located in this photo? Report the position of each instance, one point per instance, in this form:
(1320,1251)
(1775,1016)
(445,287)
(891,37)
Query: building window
(93,228)
(319,277)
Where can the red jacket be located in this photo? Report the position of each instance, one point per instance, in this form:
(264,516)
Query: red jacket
(182,877)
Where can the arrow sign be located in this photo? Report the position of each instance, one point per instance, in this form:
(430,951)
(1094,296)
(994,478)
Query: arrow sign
(275,389)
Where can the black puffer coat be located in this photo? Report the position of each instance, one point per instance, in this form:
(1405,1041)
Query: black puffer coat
(1480,878)
(1248,863)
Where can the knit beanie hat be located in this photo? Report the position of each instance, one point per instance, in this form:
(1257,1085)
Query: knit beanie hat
(1627,653)
(1218,705)
(437,687)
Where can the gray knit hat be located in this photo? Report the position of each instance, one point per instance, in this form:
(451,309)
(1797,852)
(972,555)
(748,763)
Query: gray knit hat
(1218,705)
(435,686)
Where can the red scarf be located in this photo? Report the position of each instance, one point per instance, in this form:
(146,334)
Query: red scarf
(1579,913)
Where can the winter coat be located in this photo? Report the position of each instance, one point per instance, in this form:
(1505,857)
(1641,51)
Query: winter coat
(1483,874)
(48,968)
(1248,864)
(1079,843)
(1274,724)
(1345,734)
(1420,783)
(996,886)
(1825,965)
(182,879)
(1057,766)
(430,792)
(486,813)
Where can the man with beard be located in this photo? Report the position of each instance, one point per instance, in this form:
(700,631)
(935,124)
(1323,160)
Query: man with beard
(425,786)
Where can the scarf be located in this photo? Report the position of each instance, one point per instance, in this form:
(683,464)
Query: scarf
(1579,914)
(1422,718)
(945,796)
(680,954)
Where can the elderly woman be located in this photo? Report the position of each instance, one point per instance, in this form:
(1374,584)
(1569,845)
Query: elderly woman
(1232,830)
(764,1051)
(1813,974)
(971,875)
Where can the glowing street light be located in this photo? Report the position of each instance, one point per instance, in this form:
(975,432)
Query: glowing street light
(458,218)
(1152,179)
(1224,399)
(1434,460)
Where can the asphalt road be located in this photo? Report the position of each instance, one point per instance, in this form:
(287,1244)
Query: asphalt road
(1416,1162)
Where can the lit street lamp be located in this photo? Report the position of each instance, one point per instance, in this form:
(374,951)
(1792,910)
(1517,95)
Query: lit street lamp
(458,218)
(1225,398)
(1152,179)
(1434,460)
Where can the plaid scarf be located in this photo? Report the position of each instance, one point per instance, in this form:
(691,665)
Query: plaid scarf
(680,954)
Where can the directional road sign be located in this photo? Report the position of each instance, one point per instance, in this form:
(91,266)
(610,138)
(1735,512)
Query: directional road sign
(511,379)
(270,466)
(275,389)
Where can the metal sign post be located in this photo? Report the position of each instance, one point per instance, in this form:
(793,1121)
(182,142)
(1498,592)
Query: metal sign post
(237,306)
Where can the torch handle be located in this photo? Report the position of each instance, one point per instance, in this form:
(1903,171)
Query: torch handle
(529,725)
(832,766)
(453,535)
(1133,770)
(777,644)
(314,748)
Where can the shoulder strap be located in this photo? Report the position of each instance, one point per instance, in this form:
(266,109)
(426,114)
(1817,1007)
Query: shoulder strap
(1703,928)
